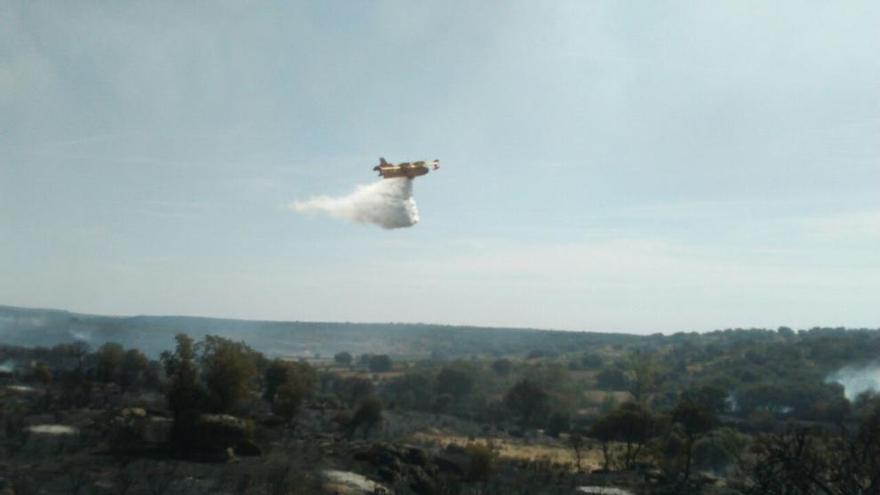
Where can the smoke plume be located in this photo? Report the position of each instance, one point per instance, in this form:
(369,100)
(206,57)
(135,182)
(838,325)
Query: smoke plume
(857,379)
(388,203)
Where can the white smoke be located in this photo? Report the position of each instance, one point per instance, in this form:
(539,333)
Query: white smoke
(388,203)
(80,335)
(857,379)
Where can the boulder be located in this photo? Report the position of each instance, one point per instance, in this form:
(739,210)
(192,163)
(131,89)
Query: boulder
(603,490)
(133,412)
(230,455)
(49,439)
(157,429)
(347,482)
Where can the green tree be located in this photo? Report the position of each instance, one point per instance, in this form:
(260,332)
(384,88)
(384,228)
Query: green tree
(456,382)
(785,332)
(135,366)
(109,362)
(592,361)
(695,421)
(816,461)
(611,379)
(577,442)
(292,383)
(364,360)
(343,358)
(367,416)
(604,430)
(413,390)
(274,375)
(502,366)
(353,389)
(183,390)
(529,402)
(380,363)
(481,463)
(559,422)
(770,397)
(42,373)
(229,370)
(644,376)
(712,397)
(720,450)
(293,392)
(631,424)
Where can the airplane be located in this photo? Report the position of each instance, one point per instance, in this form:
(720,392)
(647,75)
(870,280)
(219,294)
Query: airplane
(410,170)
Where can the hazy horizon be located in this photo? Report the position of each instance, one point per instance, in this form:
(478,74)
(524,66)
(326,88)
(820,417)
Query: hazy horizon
(605,167)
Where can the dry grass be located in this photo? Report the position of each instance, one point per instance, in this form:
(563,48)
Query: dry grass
(518,450)
(369,375)
(598,397)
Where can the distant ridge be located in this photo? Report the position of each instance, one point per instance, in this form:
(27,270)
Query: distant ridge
(153,334)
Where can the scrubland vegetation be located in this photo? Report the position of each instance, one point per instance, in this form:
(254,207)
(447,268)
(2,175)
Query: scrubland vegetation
(724,412)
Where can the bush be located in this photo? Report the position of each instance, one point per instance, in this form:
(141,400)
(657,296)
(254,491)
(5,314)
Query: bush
(529,402)
(110,357)
(502,367)
(217,432)
(42,373)
(592,361)
(368,415)
(611,379)
(456,382)
(292,386)
(380,363)
(630,424)
(720,450)
(482,461)
(343,359)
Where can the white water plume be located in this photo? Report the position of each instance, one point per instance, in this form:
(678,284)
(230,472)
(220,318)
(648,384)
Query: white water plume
(387,203)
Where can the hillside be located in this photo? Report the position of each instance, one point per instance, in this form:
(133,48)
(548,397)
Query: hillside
(153,334)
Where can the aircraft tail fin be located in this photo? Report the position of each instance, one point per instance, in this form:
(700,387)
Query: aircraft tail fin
(382,161)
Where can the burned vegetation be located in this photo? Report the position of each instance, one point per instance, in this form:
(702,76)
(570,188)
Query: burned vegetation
(725,412)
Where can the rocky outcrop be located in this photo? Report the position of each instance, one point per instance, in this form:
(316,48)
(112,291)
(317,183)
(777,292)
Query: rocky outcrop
(157,429)
(350,483)
(416,468)
(603,490)
(132,427)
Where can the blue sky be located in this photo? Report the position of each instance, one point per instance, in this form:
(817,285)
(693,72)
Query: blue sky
(609,166)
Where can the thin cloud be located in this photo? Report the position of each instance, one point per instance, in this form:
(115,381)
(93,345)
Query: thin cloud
(855,226)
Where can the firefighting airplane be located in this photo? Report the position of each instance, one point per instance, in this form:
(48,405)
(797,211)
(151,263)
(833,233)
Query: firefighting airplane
(410,170)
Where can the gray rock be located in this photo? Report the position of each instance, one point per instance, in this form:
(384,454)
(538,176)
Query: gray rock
(157,429)
(49,439)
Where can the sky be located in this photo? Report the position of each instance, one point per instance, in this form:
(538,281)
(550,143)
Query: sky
(606,166)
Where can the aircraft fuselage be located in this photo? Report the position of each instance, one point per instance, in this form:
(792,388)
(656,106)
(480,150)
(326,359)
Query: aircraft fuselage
(410,170)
